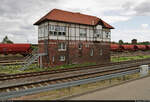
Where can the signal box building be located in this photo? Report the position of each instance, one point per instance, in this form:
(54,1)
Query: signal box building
(73,38)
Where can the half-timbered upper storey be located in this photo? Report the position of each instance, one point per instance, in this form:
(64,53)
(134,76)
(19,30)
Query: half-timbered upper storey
(64,25)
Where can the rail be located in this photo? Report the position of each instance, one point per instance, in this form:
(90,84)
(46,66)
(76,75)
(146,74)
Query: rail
(13,94)
(87,69)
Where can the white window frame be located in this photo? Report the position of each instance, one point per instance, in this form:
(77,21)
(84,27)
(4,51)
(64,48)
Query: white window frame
(62,58)
(53,59)
(62,46)
(83,32)
(46,30)
(92,52)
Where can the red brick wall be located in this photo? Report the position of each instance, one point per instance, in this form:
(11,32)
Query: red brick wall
(76,56)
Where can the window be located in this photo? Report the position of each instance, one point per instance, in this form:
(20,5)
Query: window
(61,46)
(46,30)
(53,59)
(97,33)
(62,29)
(80,46)
(107,34)
(92,52)
(87,45)
(55,33)
(62,58)
(83,32)
(57,30)
(100,52)
(41,32)
(52,28)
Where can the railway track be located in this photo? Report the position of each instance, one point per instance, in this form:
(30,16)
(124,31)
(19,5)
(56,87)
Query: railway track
(12,62)
(92,67)
(64,77)
(13,57)
(71,77)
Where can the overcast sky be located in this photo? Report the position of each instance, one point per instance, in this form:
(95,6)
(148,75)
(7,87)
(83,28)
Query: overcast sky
(129,17)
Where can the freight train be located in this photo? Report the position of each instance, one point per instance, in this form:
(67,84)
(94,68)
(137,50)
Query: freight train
(26,49)
(120,48)
(23,49)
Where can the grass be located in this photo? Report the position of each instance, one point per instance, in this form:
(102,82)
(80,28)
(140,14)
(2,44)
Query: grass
(115,59)
(34,68)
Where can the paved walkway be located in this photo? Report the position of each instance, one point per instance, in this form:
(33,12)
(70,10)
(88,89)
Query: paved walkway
(139,89)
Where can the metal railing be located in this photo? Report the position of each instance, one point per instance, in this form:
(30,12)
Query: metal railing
(31,58)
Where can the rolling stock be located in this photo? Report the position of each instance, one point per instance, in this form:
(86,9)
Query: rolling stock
(23,49)
(118,47)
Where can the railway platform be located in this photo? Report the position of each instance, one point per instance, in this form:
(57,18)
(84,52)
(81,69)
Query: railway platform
(134,90)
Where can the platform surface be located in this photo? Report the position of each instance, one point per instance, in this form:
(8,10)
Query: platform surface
(134,90)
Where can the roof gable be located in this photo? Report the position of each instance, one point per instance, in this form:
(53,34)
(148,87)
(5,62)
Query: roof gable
(70,17)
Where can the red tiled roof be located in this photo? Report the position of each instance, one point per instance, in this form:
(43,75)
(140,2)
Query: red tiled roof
(70,17)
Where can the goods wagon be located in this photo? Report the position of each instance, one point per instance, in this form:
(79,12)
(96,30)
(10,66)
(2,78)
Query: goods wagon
(147,47)
(115,47)
(128,47)
(23,49)
(140,47)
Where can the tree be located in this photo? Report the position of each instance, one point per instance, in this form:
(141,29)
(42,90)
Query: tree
(134,41)
(120,42)
(6,40)
(144,43)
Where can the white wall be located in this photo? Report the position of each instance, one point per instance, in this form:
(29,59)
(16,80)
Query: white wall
(73,30)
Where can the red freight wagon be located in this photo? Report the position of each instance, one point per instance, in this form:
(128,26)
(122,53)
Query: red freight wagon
(23,49)
(128,47)
(140,47)
(147,47)
(114,47)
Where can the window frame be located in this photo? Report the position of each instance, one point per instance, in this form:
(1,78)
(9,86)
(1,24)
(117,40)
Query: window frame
(62,46)
(92,52)
(108,34)
(56,30)
(81,34)
(62,58)
(98,33)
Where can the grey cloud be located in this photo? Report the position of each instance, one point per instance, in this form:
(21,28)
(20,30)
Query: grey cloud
(141,9)
(17,17)
(127,5)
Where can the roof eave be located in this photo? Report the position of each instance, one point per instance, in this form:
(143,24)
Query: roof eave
(39,22)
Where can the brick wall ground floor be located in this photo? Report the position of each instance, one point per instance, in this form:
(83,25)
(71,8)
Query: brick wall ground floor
(77,52)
